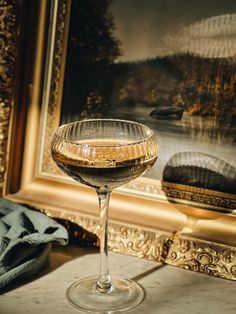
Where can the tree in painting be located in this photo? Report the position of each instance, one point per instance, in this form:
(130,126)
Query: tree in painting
(91,33)
(92,47)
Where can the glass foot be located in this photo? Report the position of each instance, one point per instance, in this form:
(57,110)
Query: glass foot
(124,295)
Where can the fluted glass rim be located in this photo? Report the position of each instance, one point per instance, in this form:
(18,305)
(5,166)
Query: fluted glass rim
(145,139)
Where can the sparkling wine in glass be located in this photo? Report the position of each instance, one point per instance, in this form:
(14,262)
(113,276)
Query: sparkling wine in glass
(104,154)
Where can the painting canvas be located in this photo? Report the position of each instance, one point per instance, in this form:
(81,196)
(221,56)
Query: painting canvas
(168,64)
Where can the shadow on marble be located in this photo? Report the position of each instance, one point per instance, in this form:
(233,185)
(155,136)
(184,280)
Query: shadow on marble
(148,272)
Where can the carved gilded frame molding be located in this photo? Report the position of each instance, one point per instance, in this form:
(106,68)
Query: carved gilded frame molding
(179,233)
(9,36)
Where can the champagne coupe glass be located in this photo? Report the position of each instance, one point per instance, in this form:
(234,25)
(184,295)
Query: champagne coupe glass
(104,154)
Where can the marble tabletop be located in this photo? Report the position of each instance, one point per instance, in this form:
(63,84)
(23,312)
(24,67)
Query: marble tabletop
(169,290)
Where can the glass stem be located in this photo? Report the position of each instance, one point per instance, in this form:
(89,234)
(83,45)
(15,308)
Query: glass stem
(104,281)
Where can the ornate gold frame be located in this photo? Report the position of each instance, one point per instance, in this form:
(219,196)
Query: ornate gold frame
(141,223)
(9,26)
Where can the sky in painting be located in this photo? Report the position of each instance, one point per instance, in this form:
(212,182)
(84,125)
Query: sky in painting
(150,28)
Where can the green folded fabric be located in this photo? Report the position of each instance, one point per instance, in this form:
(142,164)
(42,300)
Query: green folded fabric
(25,241)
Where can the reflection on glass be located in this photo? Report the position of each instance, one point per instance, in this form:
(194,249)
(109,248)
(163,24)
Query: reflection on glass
(201,170)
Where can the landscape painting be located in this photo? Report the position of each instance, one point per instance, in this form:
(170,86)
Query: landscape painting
(168,64)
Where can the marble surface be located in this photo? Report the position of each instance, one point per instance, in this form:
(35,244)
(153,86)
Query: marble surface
(169,290)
